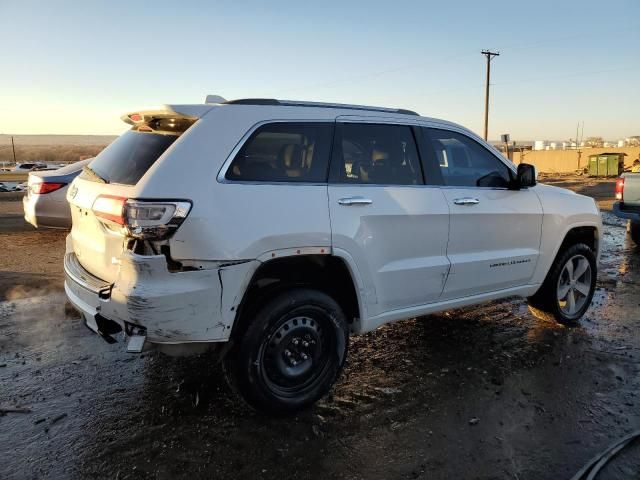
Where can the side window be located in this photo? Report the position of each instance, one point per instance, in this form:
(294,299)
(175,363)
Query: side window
(465,163)
(375,154)
(284,152)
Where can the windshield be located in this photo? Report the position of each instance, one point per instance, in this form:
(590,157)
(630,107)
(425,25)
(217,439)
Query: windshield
(128,158)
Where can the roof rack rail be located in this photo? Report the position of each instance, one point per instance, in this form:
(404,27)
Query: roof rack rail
(299,103)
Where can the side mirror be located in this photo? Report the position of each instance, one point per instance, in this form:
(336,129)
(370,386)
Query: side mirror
(527,175)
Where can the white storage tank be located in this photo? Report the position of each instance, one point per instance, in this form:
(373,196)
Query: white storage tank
(539,144)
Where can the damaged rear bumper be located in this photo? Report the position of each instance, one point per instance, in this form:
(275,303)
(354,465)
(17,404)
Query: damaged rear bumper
(172,308)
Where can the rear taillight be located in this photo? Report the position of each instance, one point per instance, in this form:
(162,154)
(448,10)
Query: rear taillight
(620,189)
(41,188)
(109,208)
(144,219)
(154,219)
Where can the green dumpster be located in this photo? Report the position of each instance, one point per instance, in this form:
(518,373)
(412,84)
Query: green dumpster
(606,164)
(593,165)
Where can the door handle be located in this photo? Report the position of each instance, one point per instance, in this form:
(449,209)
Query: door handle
(466,201)
(355,201)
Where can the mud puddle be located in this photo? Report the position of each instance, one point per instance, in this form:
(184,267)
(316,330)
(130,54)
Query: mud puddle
(486,392)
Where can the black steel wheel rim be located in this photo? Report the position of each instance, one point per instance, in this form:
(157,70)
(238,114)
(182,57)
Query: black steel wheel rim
(296,353)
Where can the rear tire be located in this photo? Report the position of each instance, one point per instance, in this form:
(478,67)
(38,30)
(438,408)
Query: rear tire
(634,230)
(291,352)
(567,291)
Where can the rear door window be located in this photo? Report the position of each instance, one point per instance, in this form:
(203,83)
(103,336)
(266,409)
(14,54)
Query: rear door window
(376,154)
(129,157)
(284,152)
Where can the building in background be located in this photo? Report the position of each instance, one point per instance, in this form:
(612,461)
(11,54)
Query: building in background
(539,144)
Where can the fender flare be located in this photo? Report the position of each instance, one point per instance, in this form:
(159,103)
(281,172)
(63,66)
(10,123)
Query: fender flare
(561,238)
(274,255)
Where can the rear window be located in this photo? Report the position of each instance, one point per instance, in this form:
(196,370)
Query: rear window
(129,157)
(284,152)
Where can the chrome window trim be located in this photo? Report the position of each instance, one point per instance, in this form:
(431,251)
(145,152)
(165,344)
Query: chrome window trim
(409,122)
(448,187)
(435,124)
(358,185)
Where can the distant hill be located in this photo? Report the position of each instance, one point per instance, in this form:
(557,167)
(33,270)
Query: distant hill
(52,148)
(30,140)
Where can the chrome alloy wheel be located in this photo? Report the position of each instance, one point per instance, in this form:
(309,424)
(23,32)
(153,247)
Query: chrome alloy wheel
(574,285)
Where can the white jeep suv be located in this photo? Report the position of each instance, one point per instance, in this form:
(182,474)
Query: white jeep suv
(274,229)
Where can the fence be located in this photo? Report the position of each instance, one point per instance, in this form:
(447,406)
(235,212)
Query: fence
(14,176)
(569,161)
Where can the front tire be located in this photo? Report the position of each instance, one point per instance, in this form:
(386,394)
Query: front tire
(568,289)
(291,352)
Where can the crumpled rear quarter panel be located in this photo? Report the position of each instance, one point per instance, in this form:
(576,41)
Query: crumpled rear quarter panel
(177,307)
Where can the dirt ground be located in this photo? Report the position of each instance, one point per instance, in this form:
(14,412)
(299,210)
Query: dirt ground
(480,393)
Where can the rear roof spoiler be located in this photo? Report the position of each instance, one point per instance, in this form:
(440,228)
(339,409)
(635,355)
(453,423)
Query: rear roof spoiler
(189,112)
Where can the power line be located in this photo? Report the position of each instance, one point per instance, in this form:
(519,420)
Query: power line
(568,75)
(585,73)
(414,65)
(377,73)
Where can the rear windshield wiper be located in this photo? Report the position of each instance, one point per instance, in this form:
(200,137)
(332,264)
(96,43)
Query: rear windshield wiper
(91,172)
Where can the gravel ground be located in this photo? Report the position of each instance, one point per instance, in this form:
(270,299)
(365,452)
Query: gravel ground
(481,393)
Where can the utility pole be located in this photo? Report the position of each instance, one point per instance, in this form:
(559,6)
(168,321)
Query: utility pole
(578,142)
(13,147)
(489,56)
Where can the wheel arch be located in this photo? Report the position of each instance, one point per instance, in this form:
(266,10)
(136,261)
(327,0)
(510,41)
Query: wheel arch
(589,233)
(586,232)
(329,273)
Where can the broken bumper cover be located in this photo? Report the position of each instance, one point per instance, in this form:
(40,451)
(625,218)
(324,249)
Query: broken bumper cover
(172,308)
(84,290)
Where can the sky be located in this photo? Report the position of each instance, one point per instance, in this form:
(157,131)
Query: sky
(76,67)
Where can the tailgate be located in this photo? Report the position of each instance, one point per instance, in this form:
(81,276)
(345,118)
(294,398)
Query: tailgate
(96,247)
(114,172)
